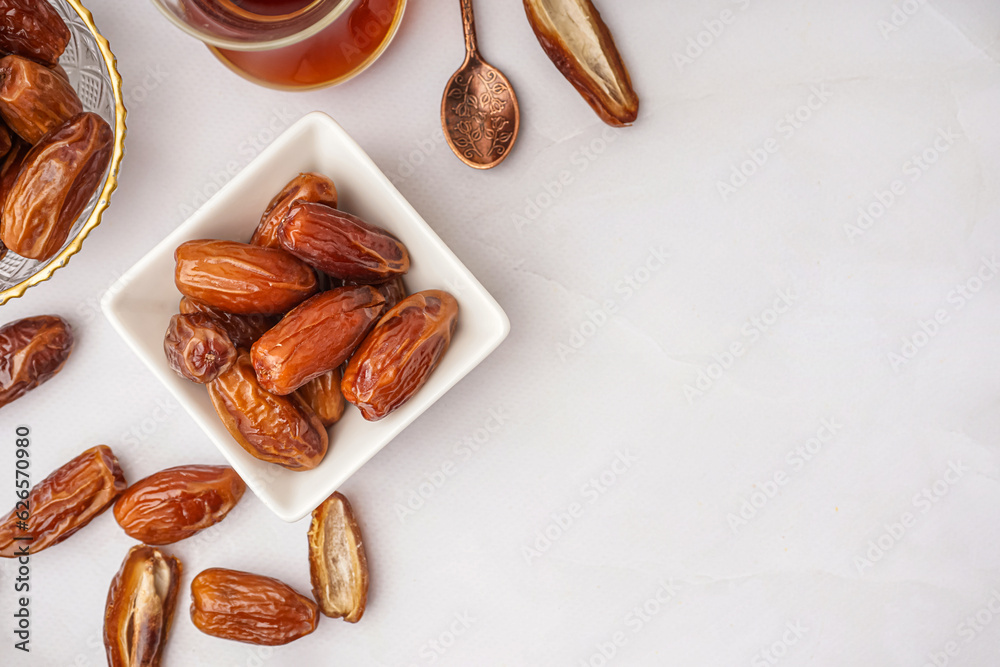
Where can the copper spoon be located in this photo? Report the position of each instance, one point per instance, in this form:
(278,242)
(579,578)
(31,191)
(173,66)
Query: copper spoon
(479,109)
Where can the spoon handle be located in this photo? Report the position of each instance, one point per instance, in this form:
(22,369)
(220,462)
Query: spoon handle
(469,22)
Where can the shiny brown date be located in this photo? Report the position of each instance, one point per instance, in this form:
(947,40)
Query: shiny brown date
(174,504)
(63,503)
(578,42)
(400,353)
(33,98)
(337,563)
(323,395)
(32,351)
(277,429)
(140,608)
(250,608)
(316,337)
(57,179)
(197,347)
(33,29)
(242,279)
(342,245)
(243,330)
(311,187)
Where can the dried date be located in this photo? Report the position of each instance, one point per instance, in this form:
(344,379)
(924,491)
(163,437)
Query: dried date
(250,608)
(578,42)
(243,330)
(242,279)
(63,503)
(174,504)
(323,395)
(140,608)
(32,351)
(58,177)
(33,29)
(197,347)
(400,353)
(338,566)
(311,187)
(316,337)
(34,99)
(277,429)
(341,244)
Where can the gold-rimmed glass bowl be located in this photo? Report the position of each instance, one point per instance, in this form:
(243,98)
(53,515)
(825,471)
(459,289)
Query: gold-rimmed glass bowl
(91,67)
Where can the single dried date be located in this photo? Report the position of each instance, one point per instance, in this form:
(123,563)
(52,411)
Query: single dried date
(579,44)
(34,99)
(338,566)
(174,504)
(400,353)
(324,396)
(308,186)
(140,608)
(242,279)
(33,29)
(315,337)
(57,179)
(250,608)
(63,503)
(11,166)
(32,351)
(341,244)
(197,347)
(277,429)
(243,330)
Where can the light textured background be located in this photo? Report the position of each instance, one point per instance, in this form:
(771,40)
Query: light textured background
(654,566)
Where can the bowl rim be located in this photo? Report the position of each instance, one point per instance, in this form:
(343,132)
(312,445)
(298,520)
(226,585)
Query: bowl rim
(110,184)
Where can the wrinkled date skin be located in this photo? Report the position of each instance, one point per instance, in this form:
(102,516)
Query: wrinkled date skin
(311,187)
(315,337)
(250,608)
(32,351)
(57,179)
(338,566)
(34,99)
(400,353)
(64,502)
(176,503)
(277,429)
(242,279)
(243,330)
(31,28)
(197,347)
(140,608)
(323,395)
(342,245)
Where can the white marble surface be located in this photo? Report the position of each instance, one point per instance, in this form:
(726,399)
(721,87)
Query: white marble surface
(612,441)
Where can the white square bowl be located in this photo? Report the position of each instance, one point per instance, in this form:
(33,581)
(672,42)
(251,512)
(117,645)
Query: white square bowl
(140,304)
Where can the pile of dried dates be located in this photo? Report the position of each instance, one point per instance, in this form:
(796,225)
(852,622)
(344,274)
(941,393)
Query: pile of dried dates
(53,155)
(312,312)
(167,507)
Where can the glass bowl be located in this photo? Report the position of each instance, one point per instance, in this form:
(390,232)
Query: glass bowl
(290,44)
(91,67)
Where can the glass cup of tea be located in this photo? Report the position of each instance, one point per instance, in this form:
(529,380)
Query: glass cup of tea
(290,44)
